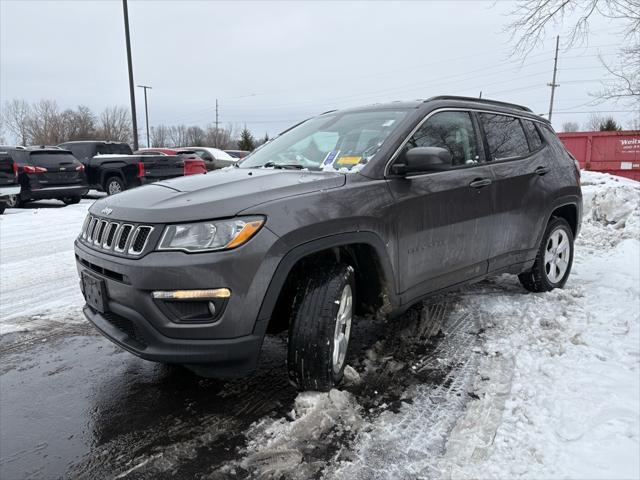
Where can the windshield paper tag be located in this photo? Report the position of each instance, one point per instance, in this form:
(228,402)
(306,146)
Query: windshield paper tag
(348,160)
(328,160)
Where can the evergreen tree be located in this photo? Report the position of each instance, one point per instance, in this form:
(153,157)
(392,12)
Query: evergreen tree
(265,139)
(246,142)
(609,125)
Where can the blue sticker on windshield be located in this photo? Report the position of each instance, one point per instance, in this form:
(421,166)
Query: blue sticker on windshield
(331,156)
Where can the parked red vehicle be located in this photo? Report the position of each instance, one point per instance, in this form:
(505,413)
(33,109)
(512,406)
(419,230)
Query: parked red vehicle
(617,153)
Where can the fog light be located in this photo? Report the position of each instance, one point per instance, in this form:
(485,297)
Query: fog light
(192,294)
(212,309)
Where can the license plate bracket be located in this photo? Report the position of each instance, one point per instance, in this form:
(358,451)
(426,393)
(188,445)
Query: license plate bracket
(95,292)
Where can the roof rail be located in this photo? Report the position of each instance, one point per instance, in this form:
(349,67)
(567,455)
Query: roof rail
(480,100)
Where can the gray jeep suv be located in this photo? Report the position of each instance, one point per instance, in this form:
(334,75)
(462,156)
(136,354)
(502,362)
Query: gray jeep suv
(362,210)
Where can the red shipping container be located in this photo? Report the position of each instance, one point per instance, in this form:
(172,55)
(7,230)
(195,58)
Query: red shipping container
(617,153)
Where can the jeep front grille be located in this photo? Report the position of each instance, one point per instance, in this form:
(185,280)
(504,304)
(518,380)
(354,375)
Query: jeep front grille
(119,237)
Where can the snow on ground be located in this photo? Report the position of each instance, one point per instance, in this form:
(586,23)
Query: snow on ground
(38,278)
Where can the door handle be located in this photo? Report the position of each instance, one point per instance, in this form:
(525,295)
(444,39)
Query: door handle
(542,170)
(480,182)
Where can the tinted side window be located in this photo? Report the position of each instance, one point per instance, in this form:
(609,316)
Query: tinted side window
(452,131)
(535,141)
(505,136)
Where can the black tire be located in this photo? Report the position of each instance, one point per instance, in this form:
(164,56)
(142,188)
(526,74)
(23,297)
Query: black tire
(310,359)
(71,200)
(539,278)
(114,185)
(2,207)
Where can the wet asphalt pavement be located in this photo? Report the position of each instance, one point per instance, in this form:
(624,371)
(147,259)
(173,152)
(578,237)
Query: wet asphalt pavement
(73,405)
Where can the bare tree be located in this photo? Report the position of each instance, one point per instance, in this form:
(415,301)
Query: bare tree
(178,135)
(570,127)
(15,118)
(593,123)
(532,17)
(625,83)
(78,124)
(159,136)
(45,124)
(115,124)
(195,136)
(634,124)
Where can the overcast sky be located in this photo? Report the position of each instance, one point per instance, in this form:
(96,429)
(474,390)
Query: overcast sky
(271,64)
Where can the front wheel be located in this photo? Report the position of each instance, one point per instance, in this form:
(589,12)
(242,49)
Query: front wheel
(321,327)
(554,259)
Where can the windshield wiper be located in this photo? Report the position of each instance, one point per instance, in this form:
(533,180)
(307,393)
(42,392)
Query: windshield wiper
(284,166)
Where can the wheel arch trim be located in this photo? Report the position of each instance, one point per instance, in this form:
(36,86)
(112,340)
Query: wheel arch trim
(304,250)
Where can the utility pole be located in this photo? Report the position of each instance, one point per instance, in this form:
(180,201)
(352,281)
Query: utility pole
(553,83)
(132,92)
(217,123)
(146,112)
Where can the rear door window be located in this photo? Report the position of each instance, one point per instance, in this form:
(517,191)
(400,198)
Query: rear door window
(113,149)
(535,141)
(505,137)
(452,131)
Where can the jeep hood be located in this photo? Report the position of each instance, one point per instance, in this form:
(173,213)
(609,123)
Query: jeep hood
(217,194)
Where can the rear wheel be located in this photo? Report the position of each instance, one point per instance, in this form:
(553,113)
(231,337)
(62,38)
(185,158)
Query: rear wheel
(321,327)
(14,201)
(114,185)
(71,200)
(553,262)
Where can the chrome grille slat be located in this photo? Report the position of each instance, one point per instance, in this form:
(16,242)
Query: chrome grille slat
(85,225)
(139,239)
(122,238)
(97,237)
(92,229)
(109,235)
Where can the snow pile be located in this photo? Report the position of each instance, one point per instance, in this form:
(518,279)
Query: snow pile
(38,278)
(300,446)
(611,209)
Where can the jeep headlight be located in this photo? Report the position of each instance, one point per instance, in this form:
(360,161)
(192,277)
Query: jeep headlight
(209,236)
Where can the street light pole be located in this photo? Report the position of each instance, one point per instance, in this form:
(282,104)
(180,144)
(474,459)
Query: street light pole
(132,94)
(146,112)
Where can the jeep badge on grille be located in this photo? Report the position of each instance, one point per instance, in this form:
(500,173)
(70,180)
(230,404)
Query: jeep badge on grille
(106,211)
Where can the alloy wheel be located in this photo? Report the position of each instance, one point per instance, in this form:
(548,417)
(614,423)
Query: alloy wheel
(343,329)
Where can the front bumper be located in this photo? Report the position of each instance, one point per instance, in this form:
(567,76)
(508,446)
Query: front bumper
(129,330)
(140,324)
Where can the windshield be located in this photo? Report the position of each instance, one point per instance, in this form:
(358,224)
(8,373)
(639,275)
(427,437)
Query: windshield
(335,141)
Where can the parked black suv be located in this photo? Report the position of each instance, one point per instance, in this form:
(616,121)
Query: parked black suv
(112,167)
(354,211)
(9,185)
(47,173)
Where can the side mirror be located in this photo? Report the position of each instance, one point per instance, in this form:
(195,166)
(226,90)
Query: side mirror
(423,160)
